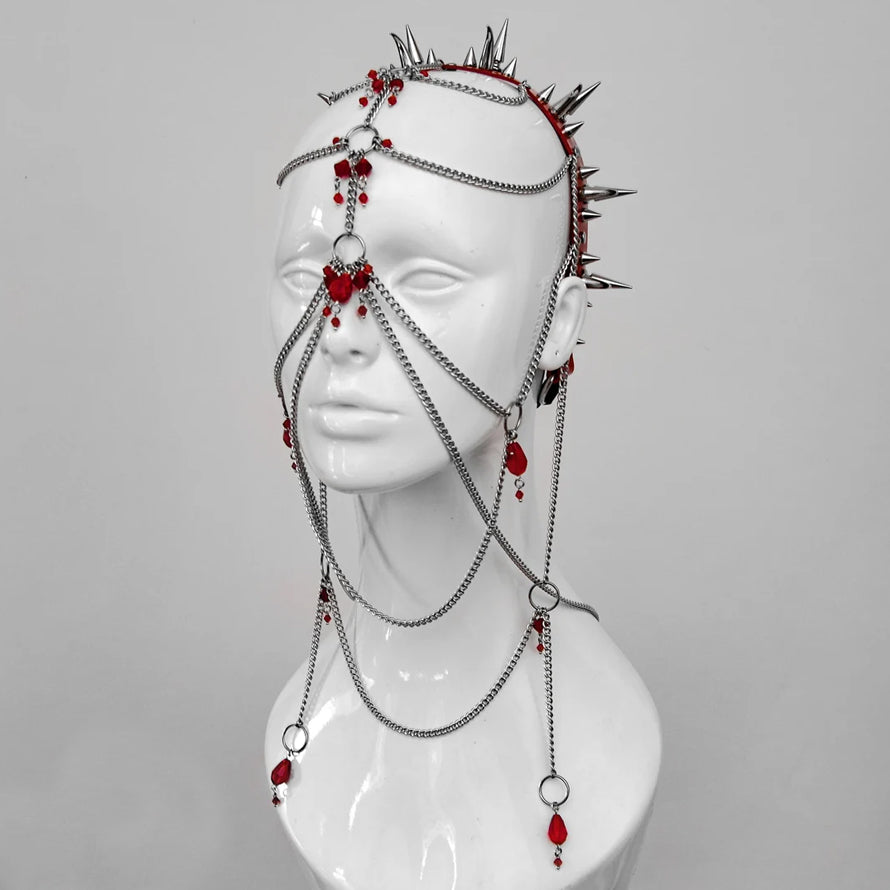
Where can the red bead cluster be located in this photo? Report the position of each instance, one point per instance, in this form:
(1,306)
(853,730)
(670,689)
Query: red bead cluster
(325,597)
(344,169)
(340,287)
(280,776)
(558,835)
(538,625)
(380,83)
(516,463)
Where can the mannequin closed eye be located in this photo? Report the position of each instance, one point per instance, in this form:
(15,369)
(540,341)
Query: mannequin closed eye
(303,281)
(428,280)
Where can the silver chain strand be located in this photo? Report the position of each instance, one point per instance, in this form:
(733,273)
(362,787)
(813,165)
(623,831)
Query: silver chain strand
(313,155)
(548,692)
(558,431)
(411,731)
(313,655)
(520,98)
(295,335)
(494,185)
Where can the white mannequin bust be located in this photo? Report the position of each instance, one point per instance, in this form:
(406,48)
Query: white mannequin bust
(366,807)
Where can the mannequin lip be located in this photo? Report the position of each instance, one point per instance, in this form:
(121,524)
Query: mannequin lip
(347,417)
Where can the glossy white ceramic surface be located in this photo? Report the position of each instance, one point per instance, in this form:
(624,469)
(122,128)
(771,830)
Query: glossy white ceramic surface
(368,808)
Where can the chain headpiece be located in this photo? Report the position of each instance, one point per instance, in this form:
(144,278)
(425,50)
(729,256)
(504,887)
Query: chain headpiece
(350,275)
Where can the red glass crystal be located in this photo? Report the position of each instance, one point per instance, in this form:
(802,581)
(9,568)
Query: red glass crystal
(538,624)
(557,830)
(570,364)
(281,773)
(335,140)
(342,169)
(362,310)
(276,800)
(363,198)
(387,143)
(335,322)
(285,437)
(372,73)
(517,462)
(286,423)
(363,167)
(330,273)
(520,495)
(557,862)
(363,101)
(392,100)
(293,466)
(361,279)
(397,84)
(327,618)
(340,288)
(326,312)
(540,647)
(368,268)
(338,198)
(377,85)
(323,595)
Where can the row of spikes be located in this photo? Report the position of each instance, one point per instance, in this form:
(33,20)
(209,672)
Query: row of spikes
(491,58)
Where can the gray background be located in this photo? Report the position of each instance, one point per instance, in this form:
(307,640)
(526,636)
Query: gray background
(727,496)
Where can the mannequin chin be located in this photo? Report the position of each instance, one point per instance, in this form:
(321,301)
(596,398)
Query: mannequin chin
(473,268)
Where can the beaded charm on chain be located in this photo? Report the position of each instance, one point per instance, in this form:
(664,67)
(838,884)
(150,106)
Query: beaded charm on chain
(356,283)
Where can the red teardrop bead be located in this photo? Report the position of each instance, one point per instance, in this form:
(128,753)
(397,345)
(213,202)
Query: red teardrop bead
(342,169)
(281,773)
(538,624)
(286,423)
(285,437)
(517,462)
(570,365)
(557,831)
(340,288)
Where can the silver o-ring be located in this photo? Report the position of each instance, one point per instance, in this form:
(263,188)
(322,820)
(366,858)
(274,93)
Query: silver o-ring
(547,587)
(358,238)
(359,129)
(556,778)
(513,406)
(296,727)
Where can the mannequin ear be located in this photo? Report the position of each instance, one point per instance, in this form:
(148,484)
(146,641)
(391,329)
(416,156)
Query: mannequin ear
(568,316)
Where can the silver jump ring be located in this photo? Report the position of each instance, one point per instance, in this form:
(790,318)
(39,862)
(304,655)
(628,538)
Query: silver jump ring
(547,587)
(296,727)
(517,407)
(556,778)
(352,235)
(359,129)
(325,566)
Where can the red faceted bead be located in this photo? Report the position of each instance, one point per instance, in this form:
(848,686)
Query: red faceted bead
(372,73)
(323,595)
(391,100)
(293,466)
(327,618)
(285,437)
(330,273)
(361,279)
(335,322)
(538,624)
(387,143)
(276,800)
(397,84)
(362,311)
(335,140)
(557,830)
(540,647)
(363,101)
(517,462)
(425,73)
(338,198)
(368,268)
(520,495)
(281,773)
(363,167)
(326,312)
(286,423)
(557,862)
(377,85)
(340,288)
(363,198)
(570,365)
(342,169)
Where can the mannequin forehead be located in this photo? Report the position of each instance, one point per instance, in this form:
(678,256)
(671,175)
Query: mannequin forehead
(504,142)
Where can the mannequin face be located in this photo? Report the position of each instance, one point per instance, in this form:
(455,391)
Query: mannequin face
(471,267)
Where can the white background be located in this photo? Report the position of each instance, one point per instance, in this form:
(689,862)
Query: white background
(726,497)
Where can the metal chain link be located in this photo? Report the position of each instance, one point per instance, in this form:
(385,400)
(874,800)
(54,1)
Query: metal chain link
(313,155)
(520,98)
(548,691)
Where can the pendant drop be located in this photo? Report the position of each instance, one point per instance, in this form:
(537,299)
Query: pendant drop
(516,463)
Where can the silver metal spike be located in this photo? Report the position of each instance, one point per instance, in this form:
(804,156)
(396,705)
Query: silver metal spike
(546,93)
(500,46)
(414,52)
(326,98)
(599,282)
(588,258)
(603,192)
(584,172)
(587,215)
(571,129)
(560,107)
(510,70)
(404,59)
(470,60)
(431,58)
(579,100)
(485,57)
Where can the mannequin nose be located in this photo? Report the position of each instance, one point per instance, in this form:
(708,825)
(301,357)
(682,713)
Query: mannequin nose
(356,340)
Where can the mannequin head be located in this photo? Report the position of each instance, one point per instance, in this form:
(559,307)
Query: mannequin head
(472,267)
